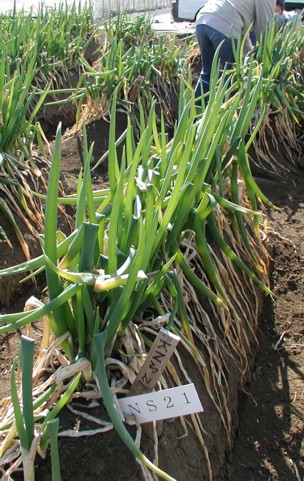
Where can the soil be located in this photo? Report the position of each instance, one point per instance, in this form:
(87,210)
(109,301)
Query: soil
(269,445)
(269,421)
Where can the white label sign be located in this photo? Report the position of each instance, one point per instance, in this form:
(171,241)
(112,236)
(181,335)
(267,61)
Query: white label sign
(169,403)
(156,361)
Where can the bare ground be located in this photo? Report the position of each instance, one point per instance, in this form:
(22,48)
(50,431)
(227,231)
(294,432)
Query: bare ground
(269,445)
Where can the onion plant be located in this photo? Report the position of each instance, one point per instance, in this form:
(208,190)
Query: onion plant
(37,48)
(285,110)
(17,134)
(173,241)
(278,59)
(60,34)
(54,41)
(25,419)
(136,69)
(127,240)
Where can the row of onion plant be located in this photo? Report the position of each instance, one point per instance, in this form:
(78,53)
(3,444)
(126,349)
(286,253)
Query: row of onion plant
(38,48)
(59,34)
(281,54)
(181,217)
(36,61)
(137,63)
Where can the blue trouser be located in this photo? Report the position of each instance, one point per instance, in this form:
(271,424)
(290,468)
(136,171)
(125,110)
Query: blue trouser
(208,40)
